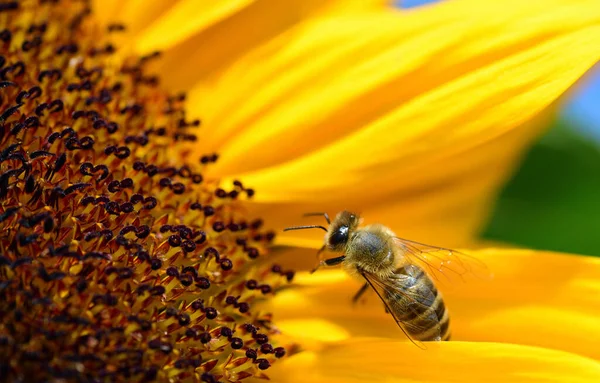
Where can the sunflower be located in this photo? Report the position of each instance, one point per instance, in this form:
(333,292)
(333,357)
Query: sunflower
(536,321)
(131,244)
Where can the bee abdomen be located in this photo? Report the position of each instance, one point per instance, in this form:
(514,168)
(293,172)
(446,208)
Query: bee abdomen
(431,325)
(421,308)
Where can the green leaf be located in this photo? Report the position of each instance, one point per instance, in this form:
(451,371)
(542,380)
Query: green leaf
(553,201)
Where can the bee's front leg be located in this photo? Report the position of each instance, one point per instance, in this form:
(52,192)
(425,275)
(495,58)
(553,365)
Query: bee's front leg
(330,262)
(322,249)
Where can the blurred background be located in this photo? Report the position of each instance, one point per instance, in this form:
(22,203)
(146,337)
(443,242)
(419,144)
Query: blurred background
(553,200)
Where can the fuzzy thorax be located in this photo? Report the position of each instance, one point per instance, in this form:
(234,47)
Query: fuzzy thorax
(370,250)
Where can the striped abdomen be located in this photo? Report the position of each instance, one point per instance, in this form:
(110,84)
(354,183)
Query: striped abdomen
(418,306)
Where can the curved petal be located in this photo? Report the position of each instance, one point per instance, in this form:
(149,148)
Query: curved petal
(137,14)
(364,77)
(198,37)
(187,18)
(445,213)
(535,298)
(379,107)
(373,360)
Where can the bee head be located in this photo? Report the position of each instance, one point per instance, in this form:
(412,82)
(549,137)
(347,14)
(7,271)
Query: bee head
(340,229)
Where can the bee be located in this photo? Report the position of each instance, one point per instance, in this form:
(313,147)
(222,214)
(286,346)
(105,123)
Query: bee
(400,271)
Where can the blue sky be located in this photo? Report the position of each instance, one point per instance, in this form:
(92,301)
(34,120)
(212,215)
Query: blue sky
(583,108)
(413,3)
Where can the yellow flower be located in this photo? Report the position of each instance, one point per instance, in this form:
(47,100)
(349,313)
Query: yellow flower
(537,320)
(412,117)
(128,251)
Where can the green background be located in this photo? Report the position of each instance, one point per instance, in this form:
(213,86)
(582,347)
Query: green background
(552,201)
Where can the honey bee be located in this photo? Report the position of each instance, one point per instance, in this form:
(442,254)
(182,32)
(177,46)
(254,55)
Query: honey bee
(397,270)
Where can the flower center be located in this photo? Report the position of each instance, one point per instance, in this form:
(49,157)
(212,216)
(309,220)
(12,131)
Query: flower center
(118,261)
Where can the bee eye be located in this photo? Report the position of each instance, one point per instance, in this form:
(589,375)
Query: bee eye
(339,236)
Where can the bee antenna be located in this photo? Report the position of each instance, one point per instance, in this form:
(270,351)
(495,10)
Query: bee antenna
(305,227)
(318,214)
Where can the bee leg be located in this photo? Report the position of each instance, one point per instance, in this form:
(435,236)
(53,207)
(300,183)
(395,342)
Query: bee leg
(329,262)
(359,293)
(320,251)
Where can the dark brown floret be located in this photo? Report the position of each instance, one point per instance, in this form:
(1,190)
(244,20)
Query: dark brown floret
(226,332)
(252,354)
(266,348)
(279,352)
(261,338)
(263,364)
(203,283)
(243,307)
(211,312)
(218,226)
(265,289)
(208,378)
(119,261)
(252,252)
(205,337)
(226,264)
(237,343)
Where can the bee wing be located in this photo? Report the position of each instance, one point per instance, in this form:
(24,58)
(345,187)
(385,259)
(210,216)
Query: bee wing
(442,263)
(409,303)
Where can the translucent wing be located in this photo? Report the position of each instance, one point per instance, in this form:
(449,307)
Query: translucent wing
(410,303)
(441,263)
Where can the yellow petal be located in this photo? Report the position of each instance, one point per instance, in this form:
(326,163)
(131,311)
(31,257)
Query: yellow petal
(134,14)
(535,298)
(444,214)
(198,38)
(420,76)
(372,360)
(431,107)
(185,19)
(106,10)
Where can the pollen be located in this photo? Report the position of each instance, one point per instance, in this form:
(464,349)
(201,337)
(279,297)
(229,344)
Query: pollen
(119,261)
